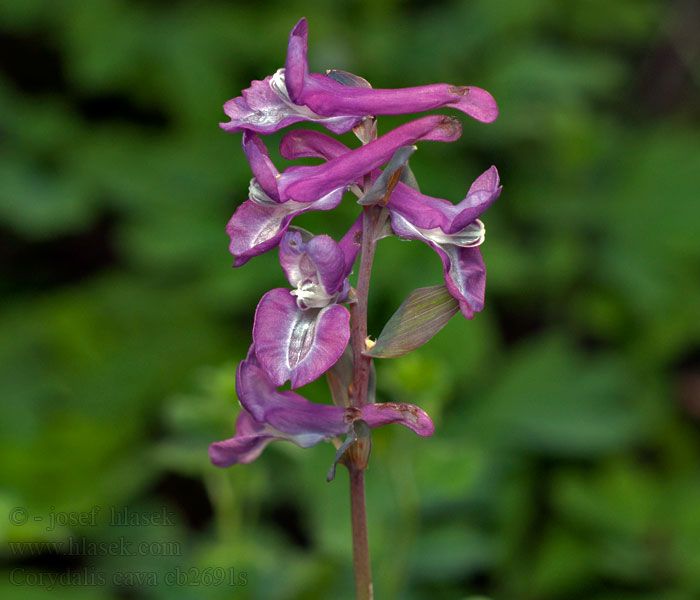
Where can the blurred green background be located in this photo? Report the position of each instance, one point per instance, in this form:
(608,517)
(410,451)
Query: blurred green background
(566,460)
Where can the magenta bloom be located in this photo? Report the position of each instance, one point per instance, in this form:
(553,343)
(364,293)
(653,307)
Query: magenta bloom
(453,231)
(269,414)
(275,198)
(299,334)
(309,183)
(293,94)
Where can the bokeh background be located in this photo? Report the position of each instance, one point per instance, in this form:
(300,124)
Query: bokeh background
(566,460)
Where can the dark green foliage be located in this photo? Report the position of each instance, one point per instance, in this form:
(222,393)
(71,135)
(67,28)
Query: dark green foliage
(565,464)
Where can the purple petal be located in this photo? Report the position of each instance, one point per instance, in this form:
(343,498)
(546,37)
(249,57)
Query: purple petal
(330,98)
(285,411)
(294,344)
(465,276)
(320,260)
(463,267)
(250,440)
(487,181)
(252,437)
(296,265)
(264,171)
(263,110)
(329,259)
(408,415)
(296,67)
(256,228)
(259,109)
(307,183)
(482,194)
(327,97)
(426,212)
(305,143)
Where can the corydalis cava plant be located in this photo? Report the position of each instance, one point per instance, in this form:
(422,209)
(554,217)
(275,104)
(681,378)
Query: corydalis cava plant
(318,323)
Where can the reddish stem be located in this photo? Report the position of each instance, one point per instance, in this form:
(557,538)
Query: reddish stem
(360,540)
(362,366)
(362,363)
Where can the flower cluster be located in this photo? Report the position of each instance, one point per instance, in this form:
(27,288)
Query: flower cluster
(301,333)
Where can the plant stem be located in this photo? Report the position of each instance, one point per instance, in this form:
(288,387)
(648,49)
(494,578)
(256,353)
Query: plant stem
(360,541)
(361,370)
(359,314)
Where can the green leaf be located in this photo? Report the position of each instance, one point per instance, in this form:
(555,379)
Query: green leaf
(423,313)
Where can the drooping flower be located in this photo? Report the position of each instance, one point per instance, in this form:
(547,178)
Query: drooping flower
(299,334)
(309,183)
(269,414)
(257,226)
(453,231)
(275,198)
(293,94)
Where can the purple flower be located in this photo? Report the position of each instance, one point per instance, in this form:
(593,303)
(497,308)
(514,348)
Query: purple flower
(275,198)
(258,226)
(269,414)
(293,94)
(309,183)
(299,334)
(453,231)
